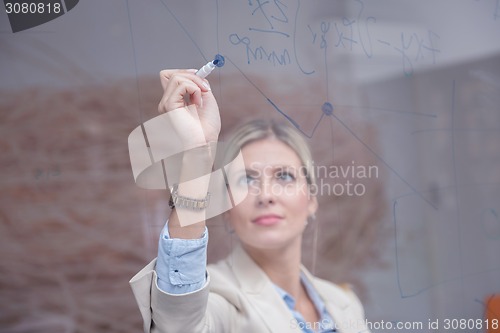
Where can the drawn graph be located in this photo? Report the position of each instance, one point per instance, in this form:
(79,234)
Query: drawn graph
(286,38)
(409,89)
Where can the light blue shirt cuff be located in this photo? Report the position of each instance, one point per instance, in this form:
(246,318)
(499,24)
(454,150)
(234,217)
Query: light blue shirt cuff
(181,264)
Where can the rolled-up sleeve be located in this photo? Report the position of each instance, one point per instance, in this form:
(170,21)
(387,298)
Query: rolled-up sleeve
(181,264)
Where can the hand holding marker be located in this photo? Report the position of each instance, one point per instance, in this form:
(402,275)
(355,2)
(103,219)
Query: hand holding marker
(209,67)
(177,87)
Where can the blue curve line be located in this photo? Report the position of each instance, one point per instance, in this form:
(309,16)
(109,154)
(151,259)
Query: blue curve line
(295,42)
(135,64)
(398,274)
(218,45)
(217,24)
(486,307)
(326,77)
(467,130)
(294,123)
(461,277)
(184,29)
(316,126)
(457,196)
(390,110)
(270,31)
(396,253)
(383,161)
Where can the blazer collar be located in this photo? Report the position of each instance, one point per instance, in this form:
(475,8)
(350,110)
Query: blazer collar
(335,297)
(336,301)
(266,301)
(260,292)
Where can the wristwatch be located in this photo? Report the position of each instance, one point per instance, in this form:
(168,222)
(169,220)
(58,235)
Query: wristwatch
(179,201)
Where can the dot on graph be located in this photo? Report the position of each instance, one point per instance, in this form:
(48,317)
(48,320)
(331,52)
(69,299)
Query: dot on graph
(327,109)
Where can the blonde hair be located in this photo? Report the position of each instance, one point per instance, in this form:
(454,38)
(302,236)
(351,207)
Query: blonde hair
(260,129)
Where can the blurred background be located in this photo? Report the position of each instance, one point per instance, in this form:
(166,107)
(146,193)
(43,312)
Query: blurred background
(414,90)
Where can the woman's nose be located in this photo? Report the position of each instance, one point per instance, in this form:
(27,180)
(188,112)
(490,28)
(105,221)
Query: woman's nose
(265,195)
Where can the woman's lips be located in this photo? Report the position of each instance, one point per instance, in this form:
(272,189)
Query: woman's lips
(267,220)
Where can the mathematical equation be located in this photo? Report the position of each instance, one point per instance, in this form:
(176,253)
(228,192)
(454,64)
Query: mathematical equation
(356,34)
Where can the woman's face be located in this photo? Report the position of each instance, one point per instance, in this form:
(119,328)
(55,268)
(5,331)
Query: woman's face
(275,210)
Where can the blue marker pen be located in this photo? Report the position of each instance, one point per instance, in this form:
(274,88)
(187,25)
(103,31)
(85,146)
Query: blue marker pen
(209,67)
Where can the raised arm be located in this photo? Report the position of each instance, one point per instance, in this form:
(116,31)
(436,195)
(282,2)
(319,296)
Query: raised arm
(196,119)
(172,291)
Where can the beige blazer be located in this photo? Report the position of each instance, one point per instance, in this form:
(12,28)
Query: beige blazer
(237,298)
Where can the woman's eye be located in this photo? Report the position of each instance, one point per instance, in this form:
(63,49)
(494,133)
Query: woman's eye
(285,176)
(246,180)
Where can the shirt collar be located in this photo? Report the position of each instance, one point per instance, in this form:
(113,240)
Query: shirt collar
(311,292)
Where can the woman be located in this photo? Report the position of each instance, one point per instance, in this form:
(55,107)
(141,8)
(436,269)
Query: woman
(261,286)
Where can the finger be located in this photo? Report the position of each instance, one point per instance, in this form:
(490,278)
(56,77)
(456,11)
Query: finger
(208,99)
(176,80)
(179,83)
(186,87)
(169,77)
(175,98)
(166,74)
